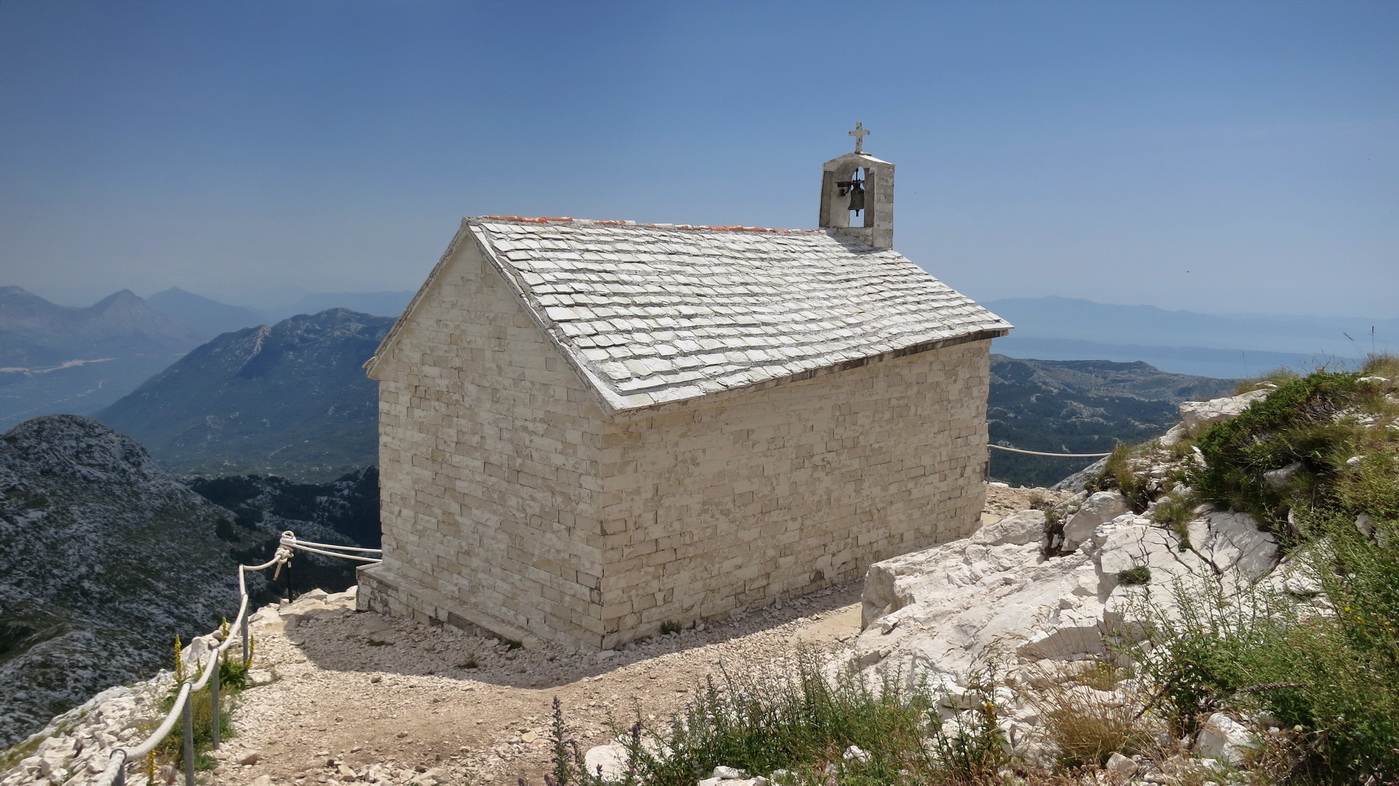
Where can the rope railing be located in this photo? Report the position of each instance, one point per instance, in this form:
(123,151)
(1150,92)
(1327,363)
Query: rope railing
(1051,455)
(115,772)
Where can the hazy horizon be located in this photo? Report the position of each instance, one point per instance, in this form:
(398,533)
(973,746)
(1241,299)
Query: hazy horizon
(287,297)
(1238,158)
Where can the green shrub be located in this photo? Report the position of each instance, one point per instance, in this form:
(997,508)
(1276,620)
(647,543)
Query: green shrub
(1176,509)
(1333,680)
(233,675)
(1295,423)
(1138,574)
(1119,474)
(804,722)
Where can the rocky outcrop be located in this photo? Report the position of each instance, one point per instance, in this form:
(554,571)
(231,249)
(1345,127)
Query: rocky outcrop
(106,559)
(1042,600)
(77,745)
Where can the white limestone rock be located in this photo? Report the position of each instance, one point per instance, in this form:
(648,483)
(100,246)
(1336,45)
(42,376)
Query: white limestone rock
(1196,415)
(608,761)
(1234,543)
(937,613)
(1122,765)
(1224,739)
(956,600)
(1018,529)
(1102,507)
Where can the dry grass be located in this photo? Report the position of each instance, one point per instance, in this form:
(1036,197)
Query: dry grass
(1085,719)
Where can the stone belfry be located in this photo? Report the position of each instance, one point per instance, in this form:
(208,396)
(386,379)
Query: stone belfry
(857,196)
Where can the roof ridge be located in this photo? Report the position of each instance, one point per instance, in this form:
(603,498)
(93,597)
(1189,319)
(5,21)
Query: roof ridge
(612,222)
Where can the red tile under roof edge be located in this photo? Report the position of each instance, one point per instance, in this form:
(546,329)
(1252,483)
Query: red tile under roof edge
(612,222)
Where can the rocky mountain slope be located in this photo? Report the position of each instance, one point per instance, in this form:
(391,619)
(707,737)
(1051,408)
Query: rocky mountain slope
(343,512)
(106,559)
(289,399)
(1079,406)
(381,304)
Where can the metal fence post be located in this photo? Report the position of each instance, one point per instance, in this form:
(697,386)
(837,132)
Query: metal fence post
(247,642)
(214,681)
(188,714)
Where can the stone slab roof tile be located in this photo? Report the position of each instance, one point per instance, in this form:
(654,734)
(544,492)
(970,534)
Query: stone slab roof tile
(673,313)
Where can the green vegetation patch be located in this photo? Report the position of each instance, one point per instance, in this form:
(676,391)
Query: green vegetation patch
(1317,462)
(805,723)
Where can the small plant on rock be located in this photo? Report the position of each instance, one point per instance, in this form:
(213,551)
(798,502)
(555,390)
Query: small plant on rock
(1135,575)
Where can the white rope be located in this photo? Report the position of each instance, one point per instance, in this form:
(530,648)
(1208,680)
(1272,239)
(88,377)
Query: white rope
(1055,455)
(289,541)
(299,542)
(333,554)
(284,554)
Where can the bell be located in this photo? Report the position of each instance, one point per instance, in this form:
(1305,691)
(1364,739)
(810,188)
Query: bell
(857,197)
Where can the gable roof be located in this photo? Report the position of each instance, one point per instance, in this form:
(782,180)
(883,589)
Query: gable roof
(652,314)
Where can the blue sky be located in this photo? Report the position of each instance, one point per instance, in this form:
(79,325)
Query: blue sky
(1215,156)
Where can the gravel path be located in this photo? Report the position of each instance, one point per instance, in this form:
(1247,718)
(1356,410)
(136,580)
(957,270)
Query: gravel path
(367,698)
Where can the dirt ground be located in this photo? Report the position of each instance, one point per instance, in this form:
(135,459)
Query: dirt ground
(366,698)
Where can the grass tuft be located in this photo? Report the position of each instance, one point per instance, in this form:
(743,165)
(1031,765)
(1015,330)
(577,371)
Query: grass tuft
(804,722)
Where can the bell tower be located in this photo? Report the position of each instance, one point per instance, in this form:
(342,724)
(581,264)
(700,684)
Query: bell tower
(857,196)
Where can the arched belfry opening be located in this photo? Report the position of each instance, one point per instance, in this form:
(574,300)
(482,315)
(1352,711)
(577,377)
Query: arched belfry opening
(857,196)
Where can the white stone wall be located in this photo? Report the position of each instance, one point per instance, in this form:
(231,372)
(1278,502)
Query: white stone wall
(489,472)
(742,501)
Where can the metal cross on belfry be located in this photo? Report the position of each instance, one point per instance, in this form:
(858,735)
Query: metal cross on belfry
(859,133)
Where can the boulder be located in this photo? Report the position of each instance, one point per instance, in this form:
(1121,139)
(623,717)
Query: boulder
(1102,507)
(1017,529)
(1277,478)
(607,761)
(1224,739)
(1195,415)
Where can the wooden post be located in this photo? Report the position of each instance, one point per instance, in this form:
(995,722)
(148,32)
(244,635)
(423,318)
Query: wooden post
(188,713)
(214,684)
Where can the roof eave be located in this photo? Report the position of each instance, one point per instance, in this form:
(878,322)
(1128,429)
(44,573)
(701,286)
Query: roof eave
(618,405)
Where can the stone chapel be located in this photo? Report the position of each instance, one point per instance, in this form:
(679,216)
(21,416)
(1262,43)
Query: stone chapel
(591,428)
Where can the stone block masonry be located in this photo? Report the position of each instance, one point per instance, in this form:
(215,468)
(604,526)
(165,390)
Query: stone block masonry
(591,429)
(489,472)
(512,504)
(736,503)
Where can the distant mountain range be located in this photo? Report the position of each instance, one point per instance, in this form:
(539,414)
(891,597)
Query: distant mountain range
(37,333)
(1079,406)
(59,359)
(78,360)
(1227,346)
(291,399)
(204,316)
